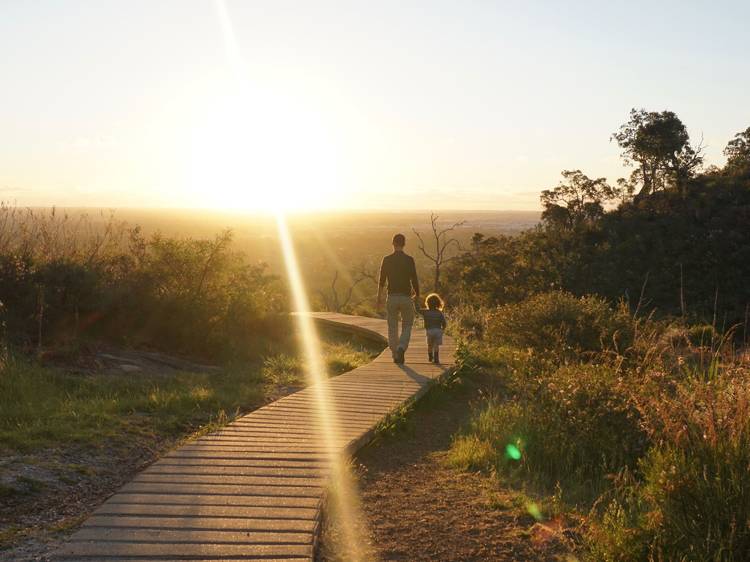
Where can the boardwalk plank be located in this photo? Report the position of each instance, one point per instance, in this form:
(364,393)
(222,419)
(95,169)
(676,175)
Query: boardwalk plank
(216,500)
(102,550)
(197,523)
(196,536)
(208,511)
(222,489)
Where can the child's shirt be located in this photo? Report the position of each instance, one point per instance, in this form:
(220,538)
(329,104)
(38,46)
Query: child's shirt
(433,318)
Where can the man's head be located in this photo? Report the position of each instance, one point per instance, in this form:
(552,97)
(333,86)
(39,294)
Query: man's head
(399,241)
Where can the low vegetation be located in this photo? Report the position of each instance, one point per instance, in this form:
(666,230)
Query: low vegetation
(649,440)
(50,407)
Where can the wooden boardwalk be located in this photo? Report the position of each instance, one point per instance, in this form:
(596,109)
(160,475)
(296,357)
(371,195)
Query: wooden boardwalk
(254,489)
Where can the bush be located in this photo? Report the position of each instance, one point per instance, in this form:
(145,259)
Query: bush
(572,426)
(647,421)
(692,501)
(62,278)
(560,322)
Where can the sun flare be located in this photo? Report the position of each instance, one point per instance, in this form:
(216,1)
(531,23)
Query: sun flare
(258,151)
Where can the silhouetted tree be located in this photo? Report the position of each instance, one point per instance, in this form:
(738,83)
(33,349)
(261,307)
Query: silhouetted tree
(659,144)
(737,152)
(577,200)
(443,241)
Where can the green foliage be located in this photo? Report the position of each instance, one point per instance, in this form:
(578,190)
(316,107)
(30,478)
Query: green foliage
(42,407)
(562,323)
(283,369)
(500,270)
(692,253)
(653,432)
(571,427)
(678,254)
(692,501)
(659,144)
(577,200)
(199,297)
(737,152)
(342,355)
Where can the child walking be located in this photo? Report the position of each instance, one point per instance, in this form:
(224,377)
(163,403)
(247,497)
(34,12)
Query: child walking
(434,324)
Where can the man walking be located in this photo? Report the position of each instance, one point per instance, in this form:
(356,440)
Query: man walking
(399,271)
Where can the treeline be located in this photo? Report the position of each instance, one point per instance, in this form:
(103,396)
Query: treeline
(672,237)
(66,280)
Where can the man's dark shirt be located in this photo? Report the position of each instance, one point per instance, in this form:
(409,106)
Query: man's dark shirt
(400,272)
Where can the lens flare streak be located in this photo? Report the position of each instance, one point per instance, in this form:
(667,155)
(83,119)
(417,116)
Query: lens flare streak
(347,516)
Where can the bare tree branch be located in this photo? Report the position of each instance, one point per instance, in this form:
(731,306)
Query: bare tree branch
(335,302)
(443,241)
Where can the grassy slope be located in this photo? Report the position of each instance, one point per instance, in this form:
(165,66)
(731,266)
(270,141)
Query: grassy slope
(41,407)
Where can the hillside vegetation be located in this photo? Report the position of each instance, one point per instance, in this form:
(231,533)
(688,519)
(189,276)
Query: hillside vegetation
(64,281)
(616,333)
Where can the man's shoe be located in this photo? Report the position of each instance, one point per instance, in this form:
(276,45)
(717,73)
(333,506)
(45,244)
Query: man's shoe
(400,356)
(437,359)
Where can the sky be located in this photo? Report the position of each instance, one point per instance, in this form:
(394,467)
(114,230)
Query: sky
(251,105)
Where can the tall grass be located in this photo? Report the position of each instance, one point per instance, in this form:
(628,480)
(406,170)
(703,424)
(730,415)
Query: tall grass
(645,423)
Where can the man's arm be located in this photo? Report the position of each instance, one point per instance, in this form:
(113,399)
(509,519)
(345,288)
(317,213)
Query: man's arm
(381,284)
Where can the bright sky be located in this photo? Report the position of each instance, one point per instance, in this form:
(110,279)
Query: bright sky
(383,105)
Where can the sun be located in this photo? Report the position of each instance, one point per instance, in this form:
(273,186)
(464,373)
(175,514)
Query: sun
(255,150)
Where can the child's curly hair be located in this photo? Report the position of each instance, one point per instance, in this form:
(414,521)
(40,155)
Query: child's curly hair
(434,301)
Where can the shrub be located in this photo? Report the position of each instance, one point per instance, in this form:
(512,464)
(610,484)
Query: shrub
(562,323)
(467,321)
(572,426)
(62,277)
(693,499)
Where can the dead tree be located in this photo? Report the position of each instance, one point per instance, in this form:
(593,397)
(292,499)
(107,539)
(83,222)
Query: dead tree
(334,302)
(443,241)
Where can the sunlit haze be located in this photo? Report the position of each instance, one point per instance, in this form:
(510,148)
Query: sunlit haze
(348,105)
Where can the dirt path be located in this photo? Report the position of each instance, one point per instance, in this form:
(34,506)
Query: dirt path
(418,508)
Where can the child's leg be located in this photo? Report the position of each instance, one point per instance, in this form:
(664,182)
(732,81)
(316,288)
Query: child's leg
(429,348)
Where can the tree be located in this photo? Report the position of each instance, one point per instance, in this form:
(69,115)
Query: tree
(659,144)
(737,152)
(335,302)
(443,241)
(576,200)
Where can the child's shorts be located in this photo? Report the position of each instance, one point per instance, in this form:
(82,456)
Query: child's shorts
(434,337)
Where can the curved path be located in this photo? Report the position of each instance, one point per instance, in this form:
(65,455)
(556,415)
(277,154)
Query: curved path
(254,489)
